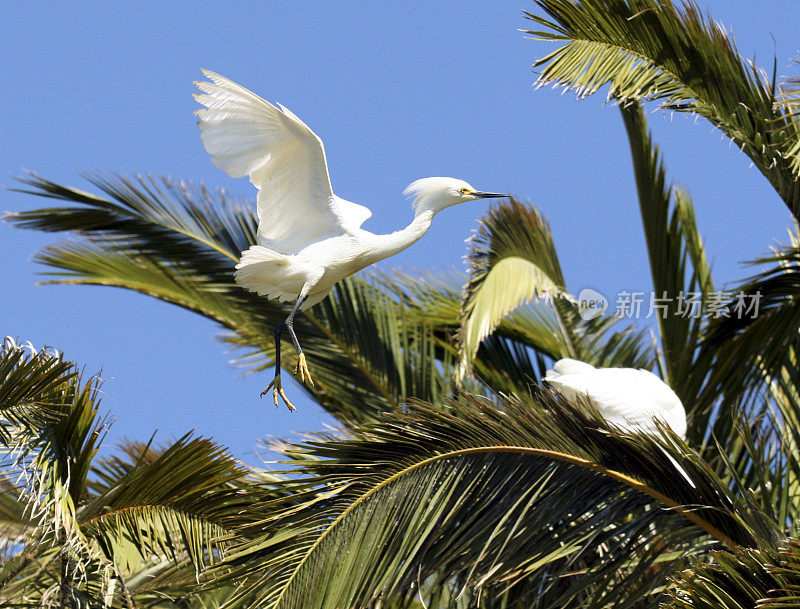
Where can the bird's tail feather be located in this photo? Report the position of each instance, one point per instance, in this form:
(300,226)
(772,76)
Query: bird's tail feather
(268,273)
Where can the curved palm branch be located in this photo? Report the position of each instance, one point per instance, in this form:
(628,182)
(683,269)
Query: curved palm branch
(179,244)
(512,260)
(527,499)
(652,50)
(791,96)
(514,247)
(184,500)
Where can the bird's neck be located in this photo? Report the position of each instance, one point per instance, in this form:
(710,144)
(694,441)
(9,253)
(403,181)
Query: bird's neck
(401,239)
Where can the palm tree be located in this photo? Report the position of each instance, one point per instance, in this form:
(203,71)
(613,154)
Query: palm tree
(129,530)
(456,481)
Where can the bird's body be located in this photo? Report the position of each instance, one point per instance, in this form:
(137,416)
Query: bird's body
(628,398)
(308,238)
(321,264)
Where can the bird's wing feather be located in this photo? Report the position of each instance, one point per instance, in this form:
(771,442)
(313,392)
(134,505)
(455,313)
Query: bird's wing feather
(354,214)
(285,160)
(569,366)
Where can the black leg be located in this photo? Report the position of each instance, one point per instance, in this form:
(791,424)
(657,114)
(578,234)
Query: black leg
(278,332)
(275,385)
(289,323)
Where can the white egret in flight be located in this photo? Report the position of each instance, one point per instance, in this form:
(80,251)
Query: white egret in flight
(308,238)
(628,398)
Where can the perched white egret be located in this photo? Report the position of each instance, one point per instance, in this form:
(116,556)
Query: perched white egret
(308,238)
(630,399)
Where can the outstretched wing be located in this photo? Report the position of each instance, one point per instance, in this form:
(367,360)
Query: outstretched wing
(248,136)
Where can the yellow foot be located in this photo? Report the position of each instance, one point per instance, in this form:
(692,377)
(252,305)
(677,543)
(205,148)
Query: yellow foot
(277,390)
(302,368)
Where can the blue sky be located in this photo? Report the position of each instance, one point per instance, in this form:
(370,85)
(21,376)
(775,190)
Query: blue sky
(397,91)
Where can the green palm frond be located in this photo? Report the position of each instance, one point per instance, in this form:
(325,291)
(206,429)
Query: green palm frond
(763,578)
(653,50)
(73,440)
(15,522)
(783,398)
(179,244)
(69,520)
(508,360)
(507,366)
(758,338)
(790,91)
(748,364)
(107,470)
(762,468)
(687,222)
(30,383)
(434,294)
(523,497)
(678,263)
(184,499)
(513,260)
(175,220)
(401,349)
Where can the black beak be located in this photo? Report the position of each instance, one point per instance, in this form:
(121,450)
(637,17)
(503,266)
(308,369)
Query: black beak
(489,195)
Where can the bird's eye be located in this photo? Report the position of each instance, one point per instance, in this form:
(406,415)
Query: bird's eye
(464,191)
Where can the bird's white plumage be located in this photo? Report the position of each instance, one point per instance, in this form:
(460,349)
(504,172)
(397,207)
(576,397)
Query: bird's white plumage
(248,136)
(437,192)
(630,399)
(308,238)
